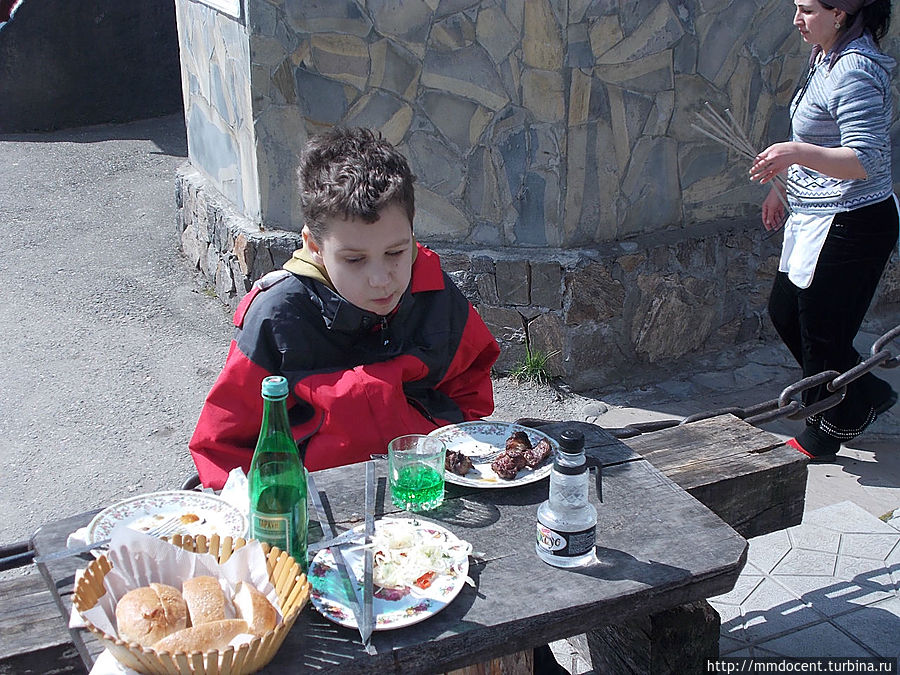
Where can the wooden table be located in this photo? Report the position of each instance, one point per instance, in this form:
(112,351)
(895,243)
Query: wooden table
(658,548)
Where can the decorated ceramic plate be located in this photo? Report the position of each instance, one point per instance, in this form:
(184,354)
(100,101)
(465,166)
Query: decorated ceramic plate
(192,513)
(481,442)
(393,606)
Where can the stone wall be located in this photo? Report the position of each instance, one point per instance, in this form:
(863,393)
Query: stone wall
(558,173)
(215,79)
(541,123)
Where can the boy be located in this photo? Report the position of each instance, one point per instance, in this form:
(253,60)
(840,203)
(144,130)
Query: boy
(374,339)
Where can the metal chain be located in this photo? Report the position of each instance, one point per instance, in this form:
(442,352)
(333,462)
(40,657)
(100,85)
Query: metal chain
(790,402)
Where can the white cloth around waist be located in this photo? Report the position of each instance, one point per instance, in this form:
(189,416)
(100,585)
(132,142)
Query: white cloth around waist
(804,237)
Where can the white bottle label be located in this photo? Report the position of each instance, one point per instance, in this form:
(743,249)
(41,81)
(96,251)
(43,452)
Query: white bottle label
(566,544)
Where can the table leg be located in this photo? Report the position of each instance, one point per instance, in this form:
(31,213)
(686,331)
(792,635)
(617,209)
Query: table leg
(74,633)
(676,641)
(520,663)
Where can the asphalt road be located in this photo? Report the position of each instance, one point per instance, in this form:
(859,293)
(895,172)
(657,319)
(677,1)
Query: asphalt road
(108,343)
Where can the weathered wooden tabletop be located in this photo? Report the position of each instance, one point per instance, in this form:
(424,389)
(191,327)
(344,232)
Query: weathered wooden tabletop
(657,548)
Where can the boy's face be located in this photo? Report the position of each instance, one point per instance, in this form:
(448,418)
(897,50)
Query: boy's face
(370,264)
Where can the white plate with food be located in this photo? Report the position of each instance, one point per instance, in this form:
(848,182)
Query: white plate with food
(495,454)
(189,512)
(419,568)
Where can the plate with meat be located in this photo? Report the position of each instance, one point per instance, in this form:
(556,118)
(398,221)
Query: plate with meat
(488,454)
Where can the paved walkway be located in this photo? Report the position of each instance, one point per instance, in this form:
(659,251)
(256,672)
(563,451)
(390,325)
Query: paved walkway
(827,587)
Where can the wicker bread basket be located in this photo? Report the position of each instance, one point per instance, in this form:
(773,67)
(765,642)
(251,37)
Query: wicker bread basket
(290,584)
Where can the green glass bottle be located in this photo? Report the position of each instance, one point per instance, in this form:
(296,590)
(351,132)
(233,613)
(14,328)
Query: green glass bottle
(278,514)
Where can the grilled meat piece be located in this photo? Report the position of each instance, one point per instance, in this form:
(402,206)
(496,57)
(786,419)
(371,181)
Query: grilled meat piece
(457,462)
(518,441)
(508,464)
(536,455)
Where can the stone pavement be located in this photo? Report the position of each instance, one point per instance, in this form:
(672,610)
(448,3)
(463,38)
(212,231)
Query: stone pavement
(829,586)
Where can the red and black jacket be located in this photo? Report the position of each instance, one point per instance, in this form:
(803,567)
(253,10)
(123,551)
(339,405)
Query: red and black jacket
(357,379)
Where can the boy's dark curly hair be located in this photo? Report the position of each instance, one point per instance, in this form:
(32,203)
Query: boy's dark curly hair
(352,173)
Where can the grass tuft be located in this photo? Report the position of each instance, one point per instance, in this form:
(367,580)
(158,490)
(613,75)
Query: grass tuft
(534,368)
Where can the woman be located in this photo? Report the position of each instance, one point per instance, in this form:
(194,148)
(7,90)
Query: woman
(843,217)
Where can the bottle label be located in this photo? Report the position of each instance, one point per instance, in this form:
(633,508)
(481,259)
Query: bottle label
(566,544)
(272,528)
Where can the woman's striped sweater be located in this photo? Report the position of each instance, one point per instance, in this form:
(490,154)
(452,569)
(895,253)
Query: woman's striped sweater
(848,105)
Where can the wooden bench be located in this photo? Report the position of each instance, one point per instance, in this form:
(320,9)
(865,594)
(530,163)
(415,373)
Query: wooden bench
(746,476)
(33,636)
(752,481)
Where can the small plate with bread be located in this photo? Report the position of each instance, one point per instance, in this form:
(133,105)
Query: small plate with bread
(193,513)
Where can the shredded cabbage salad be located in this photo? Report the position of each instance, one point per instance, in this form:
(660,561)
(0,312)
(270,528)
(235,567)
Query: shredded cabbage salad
(406,555)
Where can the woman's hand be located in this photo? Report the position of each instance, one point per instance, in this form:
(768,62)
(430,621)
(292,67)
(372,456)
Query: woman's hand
(773,160)
(840,162)
(773,210)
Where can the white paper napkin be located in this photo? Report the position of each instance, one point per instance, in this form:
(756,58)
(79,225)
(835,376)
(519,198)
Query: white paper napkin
(75,620)
(78,538)
(106,664)
(236,490)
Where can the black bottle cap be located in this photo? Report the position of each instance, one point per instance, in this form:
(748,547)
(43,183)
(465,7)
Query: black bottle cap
(571,441)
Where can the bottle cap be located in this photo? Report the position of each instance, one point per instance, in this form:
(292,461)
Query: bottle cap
(571,442)
(274,386)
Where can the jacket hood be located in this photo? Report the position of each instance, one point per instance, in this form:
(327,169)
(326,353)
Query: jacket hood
(302,264)
(865,46)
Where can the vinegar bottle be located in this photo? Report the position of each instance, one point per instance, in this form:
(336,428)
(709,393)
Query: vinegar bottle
(567,521)
(277,480)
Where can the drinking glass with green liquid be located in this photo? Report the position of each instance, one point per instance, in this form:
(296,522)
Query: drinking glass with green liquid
(416,472)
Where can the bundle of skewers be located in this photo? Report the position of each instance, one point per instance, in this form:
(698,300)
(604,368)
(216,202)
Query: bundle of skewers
(725,130)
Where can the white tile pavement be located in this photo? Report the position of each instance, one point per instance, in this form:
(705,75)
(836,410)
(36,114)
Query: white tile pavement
(827,587)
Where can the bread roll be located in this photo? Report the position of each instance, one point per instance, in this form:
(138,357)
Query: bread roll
(203,638)
(173,604)
(254,608)
(147,614)
(205,600)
